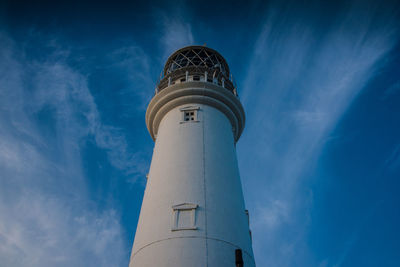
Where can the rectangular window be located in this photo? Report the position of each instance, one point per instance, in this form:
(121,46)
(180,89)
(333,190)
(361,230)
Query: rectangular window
(190,114)
(184,217)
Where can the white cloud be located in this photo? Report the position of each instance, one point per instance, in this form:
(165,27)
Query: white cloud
(135,66)
(391,91)
(271,215)
(176,30)
(46,215)
(299,83)
(392,163)
(177,34)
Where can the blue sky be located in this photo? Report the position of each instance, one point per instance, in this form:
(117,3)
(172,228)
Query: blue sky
(319,157)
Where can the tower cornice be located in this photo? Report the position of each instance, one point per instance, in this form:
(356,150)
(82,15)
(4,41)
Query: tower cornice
(195,92)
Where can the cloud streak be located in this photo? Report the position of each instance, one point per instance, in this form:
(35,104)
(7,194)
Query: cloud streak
(303,82)
(176,30)
(46,215)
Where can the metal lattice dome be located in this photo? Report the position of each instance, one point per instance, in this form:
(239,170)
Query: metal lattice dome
(196,63)
(197,56)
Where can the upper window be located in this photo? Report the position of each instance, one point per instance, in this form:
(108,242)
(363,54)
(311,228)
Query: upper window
(190,114)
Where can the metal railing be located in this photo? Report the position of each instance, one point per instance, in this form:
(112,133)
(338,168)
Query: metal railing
(197,73)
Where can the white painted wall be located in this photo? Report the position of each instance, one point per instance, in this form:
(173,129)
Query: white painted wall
(193,162)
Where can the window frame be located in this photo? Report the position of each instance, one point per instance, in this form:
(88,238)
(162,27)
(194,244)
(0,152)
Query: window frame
(184,207)
(195,114)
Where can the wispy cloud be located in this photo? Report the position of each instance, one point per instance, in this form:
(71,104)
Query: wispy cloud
(392,163)
(354,237)
(46,216)
(391,91)
(299,83)
(66,92)
(135,66)
(176,30)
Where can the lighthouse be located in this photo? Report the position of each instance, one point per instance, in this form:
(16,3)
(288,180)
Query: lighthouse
(193,212)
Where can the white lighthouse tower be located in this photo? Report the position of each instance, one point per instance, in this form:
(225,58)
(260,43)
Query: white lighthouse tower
(193,212)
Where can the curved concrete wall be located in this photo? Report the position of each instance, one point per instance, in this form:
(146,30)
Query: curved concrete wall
(193,164)
(195,92)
